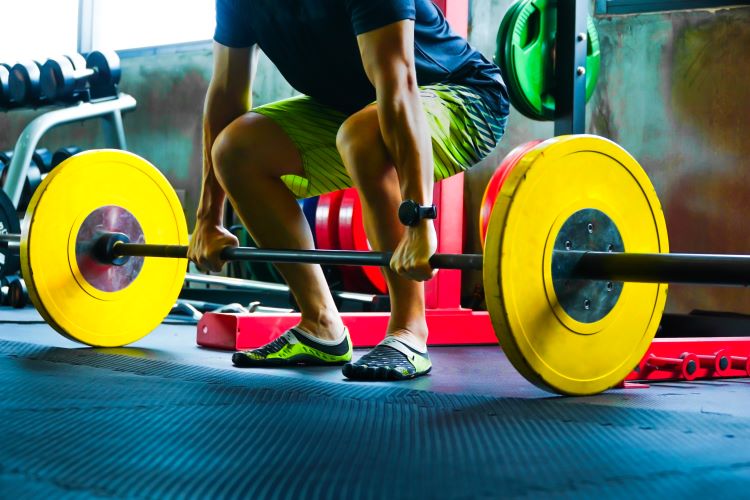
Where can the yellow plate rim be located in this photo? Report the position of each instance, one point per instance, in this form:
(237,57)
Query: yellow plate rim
(549,151)
(28,235)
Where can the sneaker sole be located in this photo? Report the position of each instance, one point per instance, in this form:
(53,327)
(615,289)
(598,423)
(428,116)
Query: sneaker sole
(381,373)
(241,361)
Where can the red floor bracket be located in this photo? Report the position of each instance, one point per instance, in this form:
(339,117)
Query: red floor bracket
(247,331)
(694,358)
(632,385)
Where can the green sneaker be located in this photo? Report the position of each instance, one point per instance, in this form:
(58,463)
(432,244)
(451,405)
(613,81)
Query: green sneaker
(392,359)
(297,347)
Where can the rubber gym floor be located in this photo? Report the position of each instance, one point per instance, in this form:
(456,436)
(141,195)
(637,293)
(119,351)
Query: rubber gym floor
(165,418)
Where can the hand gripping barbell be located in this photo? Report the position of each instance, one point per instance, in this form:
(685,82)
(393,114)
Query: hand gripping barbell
(104,241)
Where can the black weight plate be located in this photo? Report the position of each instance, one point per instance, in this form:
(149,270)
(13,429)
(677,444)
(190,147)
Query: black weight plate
(107,65)
(9,224)
(63,154)
(5,99)
(79,62)
(56,77)
(25,83)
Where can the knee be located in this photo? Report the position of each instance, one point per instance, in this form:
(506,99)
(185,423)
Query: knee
(229,154)
(244,149)
(361,146)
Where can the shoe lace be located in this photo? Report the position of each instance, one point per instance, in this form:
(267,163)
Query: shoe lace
(272,347)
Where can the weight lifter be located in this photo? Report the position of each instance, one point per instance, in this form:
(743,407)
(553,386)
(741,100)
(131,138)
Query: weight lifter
(392,100)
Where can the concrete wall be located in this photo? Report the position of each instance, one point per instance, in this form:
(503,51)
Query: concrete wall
(674,90)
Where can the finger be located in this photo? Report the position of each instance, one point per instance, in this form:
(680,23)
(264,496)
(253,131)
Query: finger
(426,274)
(417,275)
(394,264)
(403,267)
(200,266)
(216,265)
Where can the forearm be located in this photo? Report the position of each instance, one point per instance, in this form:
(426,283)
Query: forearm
(407,138)
(219,111)
(228,97)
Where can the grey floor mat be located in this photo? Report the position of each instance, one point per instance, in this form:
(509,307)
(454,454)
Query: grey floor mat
(85,423)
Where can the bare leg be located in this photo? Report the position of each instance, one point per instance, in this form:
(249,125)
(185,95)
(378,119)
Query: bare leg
(368,163)
(250,156)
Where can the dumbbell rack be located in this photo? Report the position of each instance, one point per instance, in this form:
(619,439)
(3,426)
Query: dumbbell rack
(110,110)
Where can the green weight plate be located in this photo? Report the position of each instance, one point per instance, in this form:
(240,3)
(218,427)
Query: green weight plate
(529,58)
(593,58)
(529,55)
(502,60)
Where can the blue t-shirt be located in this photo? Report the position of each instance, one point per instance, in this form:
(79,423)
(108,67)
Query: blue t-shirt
(313,44)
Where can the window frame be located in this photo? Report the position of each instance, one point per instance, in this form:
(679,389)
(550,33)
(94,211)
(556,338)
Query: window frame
(616,7)
(86,34)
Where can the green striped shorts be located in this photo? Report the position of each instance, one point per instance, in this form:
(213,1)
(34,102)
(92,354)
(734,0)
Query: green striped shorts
(464,128)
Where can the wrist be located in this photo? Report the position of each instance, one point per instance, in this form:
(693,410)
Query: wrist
(208,218)
(424,226)
(411,213)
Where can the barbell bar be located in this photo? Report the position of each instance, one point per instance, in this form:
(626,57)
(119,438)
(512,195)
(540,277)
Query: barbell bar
(552,267)
(673,268)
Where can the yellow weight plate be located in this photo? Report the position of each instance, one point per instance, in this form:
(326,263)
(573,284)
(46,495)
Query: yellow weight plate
(85,301)
(553,181)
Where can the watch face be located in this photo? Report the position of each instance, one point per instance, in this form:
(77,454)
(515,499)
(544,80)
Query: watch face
(408,213)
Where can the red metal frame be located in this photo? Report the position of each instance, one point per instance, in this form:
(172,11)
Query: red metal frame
(457,14)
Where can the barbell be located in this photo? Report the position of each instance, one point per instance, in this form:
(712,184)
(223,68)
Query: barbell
(575,263)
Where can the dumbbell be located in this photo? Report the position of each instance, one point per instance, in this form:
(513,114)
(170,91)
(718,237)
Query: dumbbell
(66,78)
(25,84)
(61,77)
(5,101)
(13,291)
(63,154)
(5,157)
(106,65)
(42,157)
(34,177)
(18,294)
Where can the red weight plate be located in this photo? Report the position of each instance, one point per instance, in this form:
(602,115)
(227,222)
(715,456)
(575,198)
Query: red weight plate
(496,184)
(327,220)
(352,237)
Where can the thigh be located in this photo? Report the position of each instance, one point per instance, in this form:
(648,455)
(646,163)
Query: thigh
(464,127)
(312,129)
(254,140)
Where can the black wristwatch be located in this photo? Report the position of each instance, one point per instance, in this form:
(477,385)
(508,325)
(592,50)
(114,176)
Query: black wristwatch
(410,213)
